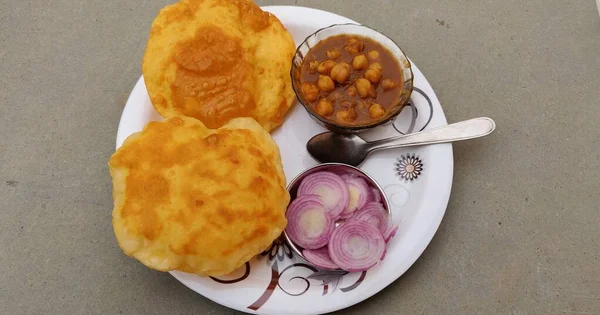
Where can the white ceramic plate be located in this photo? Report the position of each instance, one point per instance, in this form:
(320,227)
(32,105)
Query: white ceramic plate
(417,182)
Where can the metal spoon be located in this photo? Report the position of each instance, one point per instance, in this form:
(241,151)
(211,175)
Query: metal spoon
(352,149)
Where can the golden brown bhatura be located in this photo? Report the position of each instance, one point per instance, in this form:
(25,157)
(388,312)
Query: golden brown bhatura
(195,199)
(215,60)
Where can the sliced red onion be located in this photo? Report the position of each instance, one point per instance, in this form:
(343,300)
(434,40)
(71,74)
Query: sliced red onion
(309,226)
(356,246)
(359,193)
(390,232)
(375,214)
(330,187)
(319,258)
(375,195)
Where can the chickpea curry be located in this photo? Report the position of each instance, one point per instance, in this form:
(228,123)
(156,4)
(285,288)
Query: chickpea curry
(351,80)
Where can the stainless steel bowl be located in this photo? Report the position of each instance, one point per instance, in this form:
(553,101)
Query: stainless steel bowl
(360,30)
(337,168)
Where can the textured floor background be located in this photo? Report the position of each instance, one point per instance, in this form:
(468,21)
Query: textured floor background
(522,231)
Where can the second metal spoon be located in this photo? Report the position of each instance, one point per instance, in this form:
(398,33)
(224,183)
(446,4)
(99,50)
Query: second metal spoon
(352,149)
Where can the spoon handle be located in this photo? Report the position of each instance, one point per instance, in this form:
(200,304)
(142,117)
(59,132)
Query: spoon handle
(464,130)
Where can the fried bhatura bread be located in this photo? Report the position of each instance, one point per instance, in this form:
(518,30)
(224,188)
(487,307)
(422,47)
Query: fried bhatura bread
(215,60)
(195,199)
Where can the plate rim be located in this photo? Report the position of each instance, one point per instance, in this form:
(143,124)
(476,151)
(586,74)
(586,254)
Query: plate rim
(431,230)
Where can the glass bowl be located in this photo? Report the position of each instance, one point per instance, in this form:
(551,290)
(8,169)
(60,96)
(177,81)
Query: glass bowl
(337,168)
(360,30)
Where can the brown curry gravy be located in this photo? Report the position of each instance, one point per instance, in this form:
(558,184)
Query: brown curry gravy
(339,97)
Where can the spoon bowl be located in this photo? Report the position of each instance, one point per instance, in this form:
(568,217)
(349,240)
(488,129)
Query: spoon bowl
(330,147)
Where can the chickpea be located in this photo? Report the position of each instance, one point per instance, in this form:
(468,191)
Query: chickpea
(347,115)
(376,110)
(324,108)
(325,67)
(310,91)
(351,91)
(340,72)
(364,87)
(374,54)
(388,84)
(376,66)
(312,67)
(372,75)
(360,62)
(325,83)
(333,54)
(354,46)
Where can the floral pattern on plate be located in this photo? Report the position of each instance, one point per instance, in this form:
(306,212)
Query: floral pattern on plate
(409,167)
(279,257)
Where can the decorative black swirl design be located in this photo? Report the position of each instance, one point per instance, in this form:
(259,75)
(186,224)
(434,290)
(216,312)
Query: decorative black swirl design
(362,277)
(242,278)
(309,267)
(269,290)
(430,107)
(279,249)
(328,278)
(333,277)
(415,113)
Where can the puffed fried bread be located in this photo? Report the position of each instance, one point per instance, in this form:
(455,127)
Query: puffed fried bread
(215,60)
(195,199)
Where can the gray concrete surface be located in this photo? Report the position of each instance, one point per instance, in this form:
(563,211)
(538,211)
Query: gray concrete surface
(522,231)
